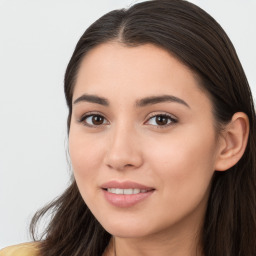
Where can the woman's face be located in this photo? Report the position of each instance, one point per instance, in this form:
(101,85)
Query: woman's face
(142,141)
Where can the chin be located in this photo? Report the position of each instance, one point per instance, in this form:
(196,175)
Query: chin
(127,232)
(124,228)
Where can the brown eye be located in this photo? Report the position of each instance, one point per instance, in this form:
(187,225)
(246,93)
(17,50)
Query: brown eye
(161,120)
(93,120)
(97,120)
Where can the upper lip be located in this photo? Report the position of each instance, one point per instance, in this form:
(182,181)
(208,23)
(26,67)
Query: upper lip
(125,185)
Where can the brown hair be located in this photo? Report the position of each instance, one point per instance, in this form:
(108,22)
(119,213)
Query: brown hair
(198,41)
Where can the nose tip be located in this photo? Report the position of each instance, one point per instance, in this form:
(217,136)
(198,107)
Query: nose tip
(121,161)
(123,153)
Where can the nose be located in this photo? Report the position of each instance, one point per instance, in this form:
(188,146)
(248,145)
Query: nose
(124,149)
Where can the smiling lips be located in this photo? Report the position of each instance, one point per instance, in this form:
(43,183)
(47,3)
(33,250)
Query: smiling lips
(127,191)
(125,194)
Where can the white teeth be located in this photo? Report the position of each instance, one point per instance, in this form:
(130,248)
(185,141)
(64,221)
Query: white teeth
(129,191)
(111,190)
(136,191)
(119,191)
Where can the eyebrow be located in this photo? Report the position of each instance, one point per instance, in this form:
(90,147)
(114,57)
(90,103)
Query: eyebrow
(159,99)
(92,99)
(139,103)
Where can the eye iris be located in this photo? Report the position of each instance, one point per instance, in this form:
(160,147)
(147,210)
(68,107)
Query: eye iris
(97,120)
(162,120)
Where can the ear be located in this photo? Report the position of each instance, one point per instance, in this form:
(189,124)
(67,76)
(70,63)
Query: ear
(232,142)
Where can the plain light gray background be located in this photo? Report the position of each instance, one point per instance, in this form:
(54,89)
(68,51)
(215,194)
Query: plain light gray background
(37,38)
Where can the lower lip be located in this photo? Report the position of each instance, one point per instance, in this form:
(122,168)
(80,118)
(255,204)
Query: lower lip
(126,200)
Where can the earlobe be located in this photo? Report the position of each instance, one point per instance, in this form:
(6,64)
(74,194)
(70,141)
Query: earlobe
(233,141)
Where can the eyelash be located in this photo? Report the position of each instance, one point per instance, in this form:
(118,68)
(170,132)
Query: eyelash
(171,119)
(87,115)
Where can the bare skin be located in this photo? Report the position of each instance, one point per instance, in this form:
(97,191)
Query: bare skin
(140,116)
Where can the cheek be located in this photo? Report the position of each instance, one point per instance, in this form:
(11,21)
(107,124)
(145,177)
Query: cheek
(183,169)
(185,160)
(86,156)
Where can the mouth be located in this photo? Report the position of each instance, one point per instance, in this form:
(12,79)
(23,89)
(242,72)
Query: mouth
(126,194)
(127,191)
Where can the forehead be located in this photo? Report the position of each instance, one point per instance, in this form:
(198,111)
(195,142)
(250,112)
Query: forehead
(128,60)
(112,69)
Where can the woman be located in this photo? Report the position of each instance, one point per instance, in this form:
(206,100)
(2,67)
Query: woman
(161,138)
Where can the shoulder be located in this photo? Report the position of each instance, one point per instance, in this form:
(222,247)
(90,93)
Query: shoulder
(26,249)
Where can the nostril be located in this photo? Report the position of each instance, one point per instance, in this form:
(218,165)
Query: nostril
(122,159)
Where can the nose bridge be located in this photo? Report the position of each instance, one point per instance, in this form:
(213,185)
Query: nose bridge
(123,149)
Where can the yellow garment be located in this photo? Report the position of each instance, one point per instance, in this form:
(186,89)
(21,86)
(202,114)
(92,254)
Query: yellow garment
(26,249)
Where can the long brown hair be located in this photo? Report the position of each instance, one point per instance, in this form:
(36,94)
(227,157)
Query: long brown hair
(198,41)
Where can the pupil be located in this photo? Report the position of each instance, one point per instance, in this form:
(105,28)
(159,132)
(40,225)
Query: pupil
(162,120)
(97,120)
